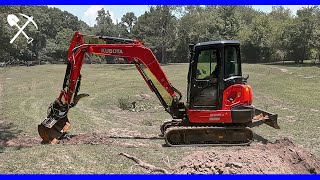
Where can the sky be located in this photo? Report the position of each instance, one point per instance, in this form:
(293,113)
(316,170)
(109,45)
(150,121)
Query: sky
(88,13)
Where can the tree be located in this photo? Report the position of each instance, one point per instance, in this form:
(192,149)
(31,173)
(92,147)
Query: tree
(128,20)
(300,34)
(280,19)
(190,28)
(168,31)
(230,23)
(257,45)
(104,24)
(156,29)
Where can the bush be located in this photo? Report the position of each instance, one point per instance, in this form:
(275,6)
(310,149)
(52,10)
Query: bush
(124,103)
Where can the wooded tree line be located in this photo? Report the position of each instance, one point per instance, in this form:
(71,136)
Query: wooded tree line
(168,30)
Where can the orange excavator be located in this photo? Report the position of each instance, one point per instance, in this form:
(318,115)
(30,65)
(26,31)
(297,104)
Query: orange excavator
(218,110)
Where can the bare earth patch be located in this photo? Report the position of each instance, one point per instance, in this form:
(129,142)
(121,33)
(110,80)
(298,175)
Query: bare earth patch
(284,70)
(280,157)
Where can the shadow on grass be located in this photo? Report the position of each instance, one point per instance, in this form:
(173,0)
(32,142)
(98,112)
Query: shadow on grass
(7,132)
(131,66)
(124,67)
(258,138)
(293,64)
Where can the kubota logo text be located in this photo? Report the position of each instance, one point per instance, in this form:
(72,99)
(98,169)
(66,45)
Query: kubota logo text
(112,51)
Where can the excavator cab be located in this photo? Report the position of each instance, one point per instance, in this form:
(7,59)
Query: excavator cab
(214,66)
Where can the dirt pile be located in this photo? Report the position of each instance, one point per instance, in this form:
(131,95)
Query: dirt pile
(280,157)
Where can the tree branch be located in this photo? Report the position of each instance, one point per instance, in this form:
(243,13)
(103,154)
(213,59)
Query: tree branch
(144,165)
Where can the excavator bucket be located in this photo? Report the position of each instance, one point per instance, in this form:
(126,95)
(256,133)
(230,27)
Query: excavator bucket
(56,125)
(52,135)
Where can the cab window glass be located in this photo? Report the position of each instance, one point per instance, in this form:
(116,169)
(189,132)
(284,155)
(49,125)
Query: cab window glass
(232,67)
(207,63)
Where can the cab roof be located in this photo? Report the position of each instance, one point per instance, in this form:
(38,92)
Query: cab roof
(218,42)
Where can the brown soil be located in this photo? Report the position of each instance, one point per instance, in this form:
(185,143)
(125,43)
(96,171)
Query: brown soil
(280,157)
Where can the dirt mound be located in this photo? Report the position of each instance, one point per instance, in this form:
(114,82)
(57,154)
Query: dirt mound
(280,157)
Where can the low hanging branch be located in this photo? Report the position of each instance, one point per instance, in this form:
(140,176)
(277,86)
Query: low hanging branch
(144,165)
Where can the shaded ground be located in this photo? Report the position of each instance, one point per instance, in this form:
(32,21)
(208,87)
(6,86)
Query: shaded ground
(7,132)
(293,64)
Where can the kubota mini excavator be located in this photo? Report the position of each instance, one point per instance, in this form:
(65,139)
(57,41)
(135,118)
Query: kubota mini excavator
(218,110)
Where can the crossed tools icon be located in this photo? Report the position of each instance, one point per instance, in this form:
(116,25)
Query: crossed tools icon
(13,21)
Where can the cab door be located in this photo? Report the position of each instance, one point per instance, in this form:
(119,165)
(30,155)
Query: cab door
(205,81)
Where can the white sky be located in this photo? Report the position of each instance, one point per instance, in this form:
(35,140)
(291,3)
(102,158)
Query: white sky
(88,13)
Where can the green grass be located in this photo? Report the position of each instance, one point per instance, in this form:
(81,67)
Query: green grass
(292,92)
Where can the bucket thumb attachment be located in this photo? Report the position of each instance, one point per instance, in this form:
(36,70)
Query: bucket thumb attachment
(77,99)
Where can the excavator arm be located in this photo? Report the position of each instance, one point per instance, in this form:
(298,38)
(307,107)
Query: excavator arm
(57,124)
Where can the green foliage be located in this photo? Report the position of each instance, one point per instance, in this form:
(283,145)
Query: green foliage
(168,31)
(127,22)
(50,40)
(157,30)
(104,24)
(125,103)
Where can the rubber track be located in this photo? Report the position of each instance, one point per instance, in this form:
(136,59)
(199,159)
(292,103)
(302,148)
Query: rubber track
(183,129)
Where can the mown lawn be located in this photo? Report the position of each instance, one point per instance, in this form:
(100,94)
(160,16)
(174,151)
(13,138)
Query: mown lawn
(26,92)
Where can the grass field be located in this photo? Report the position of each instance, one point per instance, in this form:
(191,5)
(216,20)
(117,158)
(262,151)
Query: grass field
(25,93)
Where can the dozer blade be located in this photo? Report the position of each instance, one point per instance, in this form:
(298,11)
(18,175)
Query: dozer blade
(53,135)
(263,117)
(208,136)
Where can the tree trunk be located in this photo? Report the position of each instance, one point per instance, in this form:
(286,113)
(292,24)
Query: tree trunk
(163,55)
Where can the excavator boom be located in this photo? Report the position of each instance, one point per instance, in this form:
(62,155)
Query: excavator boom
(132,50)
(56,124)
